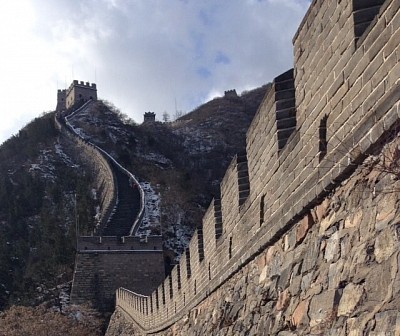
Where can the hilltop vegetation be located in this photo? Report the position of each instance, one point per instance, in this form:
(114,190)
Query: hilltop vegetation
(38,182)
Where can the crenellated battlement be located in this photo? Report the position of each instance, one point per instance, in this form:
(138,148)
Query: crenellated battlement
(312,129)
(76,94)
(96,244)
(149,117)
(230,94)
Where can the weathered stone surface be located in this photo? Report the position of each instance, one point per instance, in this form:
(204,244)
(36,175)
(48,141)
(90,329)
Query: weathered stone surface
(386,211)
(387,322)
(327,222)
(386,244)
(303,227)
(120,326)
(321,210)
(311,256)
(332,248)
(349,300)
(300,316)
(264,274)
(322,309)
(283,300)
(354,220)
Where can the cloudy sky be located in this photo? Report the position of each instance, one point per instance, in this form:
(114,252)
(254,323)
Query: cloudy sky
(144,55)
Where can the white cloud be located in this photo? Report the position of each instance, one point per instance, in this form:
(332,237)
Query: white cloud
(143,55)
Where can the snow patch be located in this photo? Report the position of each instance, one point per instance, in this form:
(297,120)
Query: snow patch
(151,222)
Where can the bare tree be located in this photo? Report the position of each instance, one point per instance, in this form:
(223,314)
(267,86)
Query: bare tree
(165,116)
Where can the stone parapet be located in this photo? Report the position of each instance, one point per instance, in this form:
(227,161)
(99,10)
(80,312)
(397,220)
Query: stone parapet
(104,176)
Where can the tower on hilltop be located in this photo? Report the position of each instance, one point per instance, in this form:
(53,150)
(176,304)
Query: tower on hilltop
(231,94)
(77,93)
(149,117)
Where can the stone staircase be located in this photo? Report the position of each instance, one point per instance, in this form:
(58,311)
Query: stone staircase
(127,207)
(125,218)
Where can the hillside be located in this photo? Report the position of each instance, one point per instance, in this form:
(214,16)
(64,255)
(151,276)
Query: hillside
(41,176)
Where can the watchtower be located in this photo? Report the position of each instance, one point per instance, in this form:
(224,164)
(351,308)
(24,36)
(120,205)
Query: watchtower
(61,99)
(149,117)
(231,94)
(80,92)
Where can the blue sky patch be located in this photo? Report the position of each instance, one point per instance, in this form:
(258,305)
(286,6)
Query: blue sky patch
(221,58)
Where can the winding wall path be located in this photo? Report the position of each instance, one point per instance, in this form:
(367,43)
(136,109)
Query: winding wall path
(114,256)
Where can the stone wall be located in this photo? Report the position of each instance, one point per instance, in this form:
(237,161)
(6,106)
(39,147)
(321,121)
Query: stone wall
(346,98)
(103,263)
(334,272)
(98,163)
(112,243)
(99,273)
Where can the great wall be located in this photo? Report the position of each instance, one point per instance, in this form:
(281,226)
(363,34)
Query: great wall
(304,238)
(114,255)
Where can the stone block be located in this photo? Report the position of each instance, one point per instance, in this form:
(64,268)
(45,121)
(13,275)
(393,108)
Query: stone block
(334,274)
(387,322)
(283,300)
(394,75)
(322,309)
(385,245)
(327,222)
(332,248)
(390,119)
(354,220)
(305,224)
(354,71)
(386,211)
(383,71)
(306,280)
(376,132)
(377,282)
(290,240)
(376,49)
(350,298)
(373,98)
(395,24)
(300,315)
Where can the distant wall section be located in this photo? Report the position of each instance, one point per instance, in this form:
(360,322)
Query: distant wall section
(104,177)
(103,264)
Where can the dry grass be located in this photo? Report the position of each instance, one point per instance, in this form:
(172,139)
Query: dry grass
(42,321)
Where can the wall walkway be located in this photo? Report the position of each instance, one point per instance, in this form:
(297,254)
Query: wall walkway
(114,256)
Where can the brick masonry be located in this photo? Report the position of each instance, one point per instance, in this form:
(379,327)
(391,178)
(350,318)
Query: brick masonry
(346,98)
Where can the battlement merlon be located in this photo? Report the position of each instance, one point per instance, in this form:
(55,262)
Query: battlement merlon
(149,117)
(96,244)
(230,94)
(81,84)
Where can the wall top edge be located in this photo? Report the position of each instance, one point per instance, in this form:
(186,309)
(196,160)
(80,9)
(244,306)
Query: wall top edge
(303,22)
